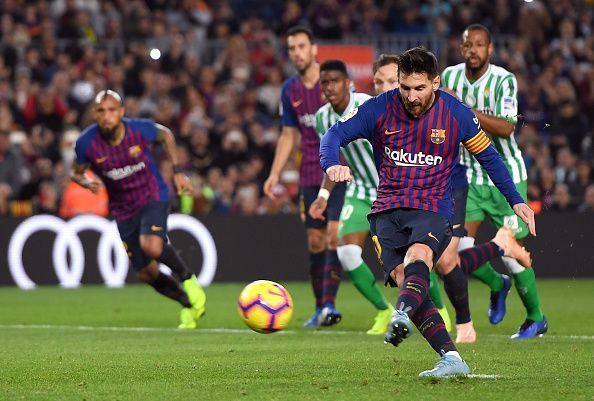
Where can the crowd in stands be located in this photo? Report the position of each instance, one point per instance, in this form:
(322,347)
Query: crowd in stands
(214,76)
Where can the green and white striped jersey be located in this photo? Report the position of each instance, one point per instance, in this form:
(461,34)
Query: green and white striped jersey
(359,153)
(495,94)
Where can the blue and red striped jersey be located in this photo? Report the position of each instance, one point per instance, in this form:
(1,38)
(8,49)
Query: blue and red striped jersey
(128,169)
(298,109)
(415,156)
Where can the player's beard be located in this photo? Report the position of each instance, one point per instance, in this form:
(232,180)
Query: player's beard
(306,66)
(418,107)
(477,68)
(109,134)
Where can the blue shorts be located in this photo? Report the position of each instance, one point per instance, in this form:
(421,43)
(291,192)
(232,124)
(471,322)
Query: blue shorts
(307,195)
(151,219)
(394,231)
(459,195)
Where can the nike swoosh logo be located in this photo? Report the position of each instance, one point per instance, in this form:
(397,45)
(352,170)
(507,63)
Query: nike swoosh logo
(156,228)
(297,103)
(391,132)
(432,236)
(100,160)
(456,225)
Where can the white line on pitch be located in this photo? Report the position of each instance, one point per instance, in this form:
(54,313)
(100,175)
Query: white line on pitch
(226,330)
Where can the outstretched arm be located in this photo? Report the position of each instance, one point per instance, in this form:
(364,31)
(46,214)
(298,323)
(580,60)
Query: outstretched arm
(182,182)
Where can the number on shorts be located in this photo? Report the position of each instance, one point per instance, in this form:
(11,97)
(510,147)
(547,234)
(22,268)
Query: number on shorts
(347,212)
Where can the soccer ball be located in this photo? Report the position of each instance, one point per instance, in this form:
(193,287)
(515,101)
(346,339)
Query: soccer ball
(265,306)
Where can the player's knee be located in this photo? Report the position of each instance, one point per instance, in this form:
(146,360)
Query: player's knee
(448,260)
(316,242)
(151,247)
(350,256)
(332,241)
(398,275)
(419,252)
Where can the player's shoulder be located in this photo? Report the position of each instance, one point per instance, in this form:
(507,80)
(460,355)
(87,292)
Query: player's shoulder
(499,71)
(130,121)
(289,83)
(88,134)
(323,109)
(361,98)
(453,68)
(457,108)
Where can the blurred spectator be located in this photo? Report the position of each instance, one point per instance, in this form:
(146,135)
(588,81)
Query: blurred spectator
(216,81)
(11,167)
(588,205)
(562,201)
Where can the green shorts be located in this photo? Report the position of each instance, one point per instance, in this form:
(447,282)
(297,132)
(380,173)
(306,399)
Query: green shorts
(487,200)
(353,216)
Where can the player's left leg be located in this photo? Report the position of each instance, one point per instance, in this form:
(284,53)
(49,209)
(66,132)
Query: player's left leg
(524,278)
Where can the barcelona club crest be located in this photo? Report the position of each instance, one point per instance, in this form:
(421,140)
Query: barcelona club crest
(438,136)
(135,150)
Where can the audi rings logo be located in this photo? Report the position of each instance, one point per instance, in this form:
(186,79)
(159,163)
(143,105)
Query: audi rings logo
(114,271)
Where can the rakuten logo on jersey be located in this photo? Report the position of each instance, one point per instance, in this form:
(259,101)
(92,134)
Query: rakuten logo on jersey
(309,120)
(123,172)
(405,159)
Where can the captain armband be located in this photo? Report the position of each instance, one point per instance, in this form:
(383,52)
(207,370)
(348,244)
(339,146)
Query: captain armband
(477,143)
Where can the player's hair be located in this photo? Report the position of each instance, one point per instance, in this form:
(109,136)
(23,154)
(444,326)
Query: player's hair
(104,94)
(417,60)
(301,29)
(479,27)
(334,65)
(383,60)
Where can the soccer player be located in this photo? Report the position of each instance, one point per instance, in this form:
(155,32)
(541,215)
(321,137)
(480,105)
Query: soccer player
(385,78)
(301,97)
(491,92)
(353,227)
(118,150)
(415,132)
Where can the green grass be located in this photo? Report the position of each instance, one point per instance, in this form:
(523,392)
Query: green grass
(82,345)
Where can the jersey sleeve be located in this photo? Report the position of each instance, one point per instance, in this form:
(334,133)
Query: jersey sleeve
(507,99)
(287,114)
(80,150)
(359,123)
(147,129)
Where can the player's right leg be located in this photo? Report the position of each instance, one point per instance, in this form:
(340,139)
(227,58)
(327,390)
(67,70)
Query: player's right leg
(353,232)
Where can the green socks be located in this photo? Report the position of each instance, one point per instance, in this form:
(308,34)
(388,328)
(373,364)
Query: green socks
(525,283)
(435,290)
(489,276)
(364,281)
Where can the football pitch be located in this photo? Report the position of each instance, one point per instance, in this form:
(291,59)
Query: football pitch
(95,343)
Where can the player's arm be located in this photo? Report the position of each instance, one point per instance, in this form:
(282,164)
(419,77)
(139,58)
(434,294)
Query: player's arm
(166,137)
(317,208)
(358,124)
(77,175)
(287,140)
(481,148)
(503,123)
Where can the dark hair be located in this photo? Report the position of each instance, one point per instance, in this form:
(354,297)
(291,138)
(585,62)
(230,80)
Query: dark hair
(417,60)
(479,27)
(301,29)
(334,65)
(383,60)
